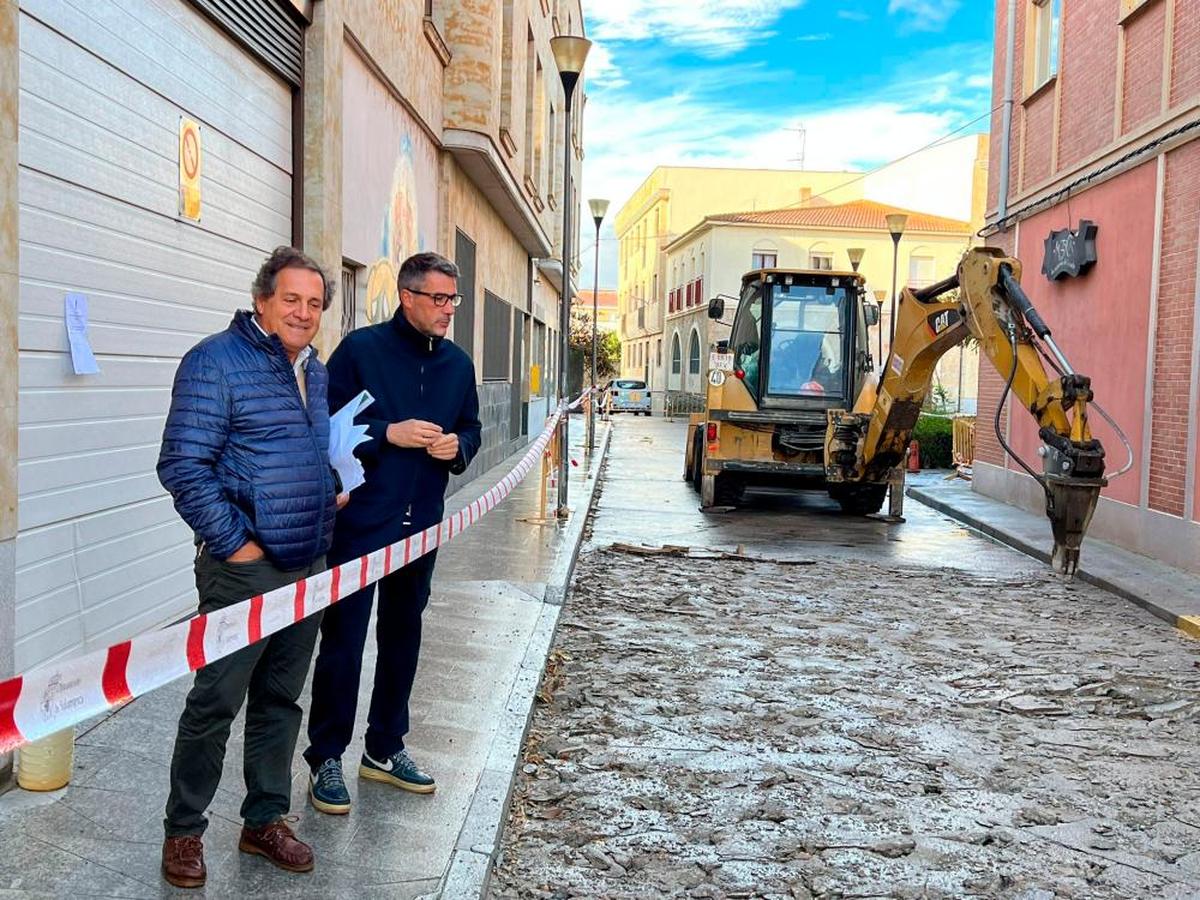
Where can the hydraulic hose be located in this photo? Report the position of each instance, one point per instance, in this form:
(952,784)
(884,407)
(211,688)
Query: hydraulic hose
(1103,413)
(1124,440)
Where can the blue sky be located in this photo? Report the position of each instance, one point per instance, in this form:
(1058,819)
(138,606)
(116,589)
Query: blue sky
(728,82)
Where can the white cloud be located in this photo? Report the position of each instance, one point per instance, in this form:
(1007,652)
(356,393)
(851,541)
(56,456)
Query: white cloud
(710,27)
(924,15)
(823,36)
(853,15)
(600,70)
(683,130)
(644,111)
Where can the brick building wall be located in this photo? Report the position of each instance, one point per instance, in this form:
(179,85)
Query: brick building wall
(1087,78)
(1037,136)
(1145,43)
(1185,57)
(990,388)
(1124,83)
(1174,340)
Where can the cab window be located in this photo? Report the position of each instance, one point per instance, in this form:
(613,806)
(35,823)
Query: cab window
(806,341)
(746,337)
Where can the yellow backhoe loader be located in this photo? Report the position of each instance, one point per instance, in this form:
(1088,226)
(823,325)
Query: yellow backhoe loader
(793,397)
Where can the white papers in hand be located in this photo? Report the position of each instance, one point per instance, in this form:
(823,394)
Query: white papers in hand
(344,436)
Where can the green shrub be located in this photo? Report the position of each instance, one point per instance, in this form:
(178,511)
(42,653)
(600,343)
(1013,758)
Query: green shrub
(936,436)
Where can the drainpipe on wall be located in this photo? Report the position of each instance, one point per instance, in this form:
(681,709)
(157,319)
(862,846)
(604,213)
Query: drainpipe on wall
(1006,125)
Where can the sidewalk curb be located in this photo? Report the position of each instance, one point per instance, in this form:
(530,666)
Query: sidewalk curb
(1189,624)
(470,869)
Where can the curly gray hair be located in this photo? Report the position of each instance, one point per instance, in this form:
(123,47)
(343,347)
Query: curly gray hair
(288,258)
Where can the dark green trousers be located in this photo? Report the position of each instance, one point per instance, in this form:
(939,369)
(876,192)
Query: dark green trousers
(268,676)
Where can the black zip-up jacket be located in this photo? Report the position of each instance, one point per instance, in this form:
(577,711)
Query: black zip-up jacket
(411,376)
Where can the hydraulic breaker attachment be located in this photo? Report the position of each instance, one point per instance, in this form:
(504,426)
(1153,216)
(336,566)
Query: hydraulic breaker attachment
(1073,476)
(1070,503)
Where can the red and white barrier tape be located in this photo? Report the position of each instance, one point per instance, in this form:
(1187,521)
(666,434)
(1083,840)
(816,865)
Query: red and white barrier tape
(61,694)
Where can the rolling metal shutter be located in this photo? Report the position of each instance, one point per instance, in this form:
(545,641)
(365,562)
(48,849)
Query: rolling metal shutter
(264,27)
(101,554)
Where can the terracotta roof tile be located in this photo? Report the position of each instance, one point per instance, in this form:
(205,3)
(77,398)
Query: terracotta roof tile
(606,299)
(866,214)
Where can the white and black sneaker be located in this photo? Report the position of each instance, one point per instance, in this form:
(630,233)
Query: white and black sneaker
(327,788)
(398,770)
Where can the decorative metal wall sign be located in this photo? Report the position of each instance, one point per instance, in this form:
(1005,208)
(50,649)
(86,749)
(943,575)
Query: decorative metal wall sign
(1070,254)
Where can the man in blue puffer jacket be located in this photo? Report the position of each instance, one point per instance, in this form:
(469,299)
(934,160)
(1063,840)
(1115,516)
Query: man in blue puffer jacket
(423,425)
(245,456)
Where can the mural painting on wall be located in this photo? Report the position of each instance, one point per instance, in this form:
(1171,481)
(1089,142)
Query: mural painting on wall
(400,237)
(390,185)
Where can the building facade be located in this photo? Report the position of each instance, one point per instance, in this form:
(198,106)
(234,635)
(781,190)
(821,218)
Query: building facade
(608,313)
(361,130)
(444,131)
(946,181)
(1099,122)
(669,202)
(711,258)
(683,239)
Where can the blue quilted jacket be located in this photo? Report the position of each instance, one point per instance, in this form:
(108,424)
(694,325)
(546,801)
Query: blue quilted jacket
(241,456)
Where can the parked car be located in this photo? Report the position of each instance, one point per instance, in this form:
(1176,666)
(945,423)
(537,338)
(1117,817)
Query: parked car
(628,395)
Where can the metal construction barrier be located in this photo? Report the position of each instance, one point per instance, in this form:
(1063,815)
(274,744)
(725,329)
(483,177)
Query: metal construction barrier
(963,452)
(682,403)
(62,694)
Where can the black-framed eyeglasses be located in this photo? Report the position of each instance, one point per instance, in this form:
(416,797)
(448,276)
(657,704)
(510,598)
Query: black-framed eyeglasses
(439,299)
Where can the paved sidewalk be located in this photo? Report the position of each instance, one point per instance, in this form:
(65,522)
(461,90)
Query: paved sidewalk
(1171,594)
(496,599)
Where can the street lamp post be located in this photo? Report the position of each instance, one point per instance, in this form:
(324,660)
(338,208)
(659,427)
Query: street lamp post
(880,296)
(855,254)
(599,210)
(895,224)
(570,52)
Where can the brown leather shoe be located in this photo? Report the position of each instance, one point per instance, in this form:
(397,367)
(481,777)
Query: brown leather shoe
(183,861)
(277,843)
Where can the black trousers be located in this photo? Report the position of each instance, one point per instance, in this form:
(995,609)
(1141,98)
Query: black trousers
(403,596)
(271,674)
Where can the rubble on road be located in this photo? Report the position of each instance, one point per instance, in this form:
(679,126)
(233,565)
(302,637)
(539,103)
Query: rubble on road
(723,726)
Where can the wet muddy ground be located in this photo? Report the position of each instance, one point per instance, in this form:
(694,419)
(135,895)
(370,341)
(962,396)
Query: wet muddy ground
(824,723)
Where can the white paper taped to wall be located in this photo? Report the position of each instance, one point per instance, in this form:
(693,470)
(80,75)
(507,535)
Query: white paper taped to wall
(83,361)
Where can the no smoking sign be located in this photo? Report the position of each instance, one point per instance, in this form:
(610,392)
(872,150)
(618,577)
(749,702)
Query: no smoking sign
(189,169)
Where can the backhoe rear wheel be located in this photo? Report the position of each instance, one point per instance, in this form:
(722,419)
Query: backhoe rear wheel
(729,490)
(859,499)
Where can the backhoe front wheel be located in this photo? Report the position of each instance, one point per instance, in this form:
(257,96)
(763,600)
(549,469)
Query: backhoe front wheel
(696,472)
(859,499)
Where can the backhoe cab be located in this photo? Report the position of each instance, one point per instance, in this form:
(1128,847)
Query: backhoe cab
(798,348)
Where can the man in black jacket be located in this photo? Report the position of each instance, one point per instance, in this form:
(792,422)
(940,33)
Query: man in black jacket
(423,425)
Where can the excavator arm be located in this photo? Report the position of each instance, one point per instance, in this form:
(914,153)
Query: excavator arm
(864,444)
